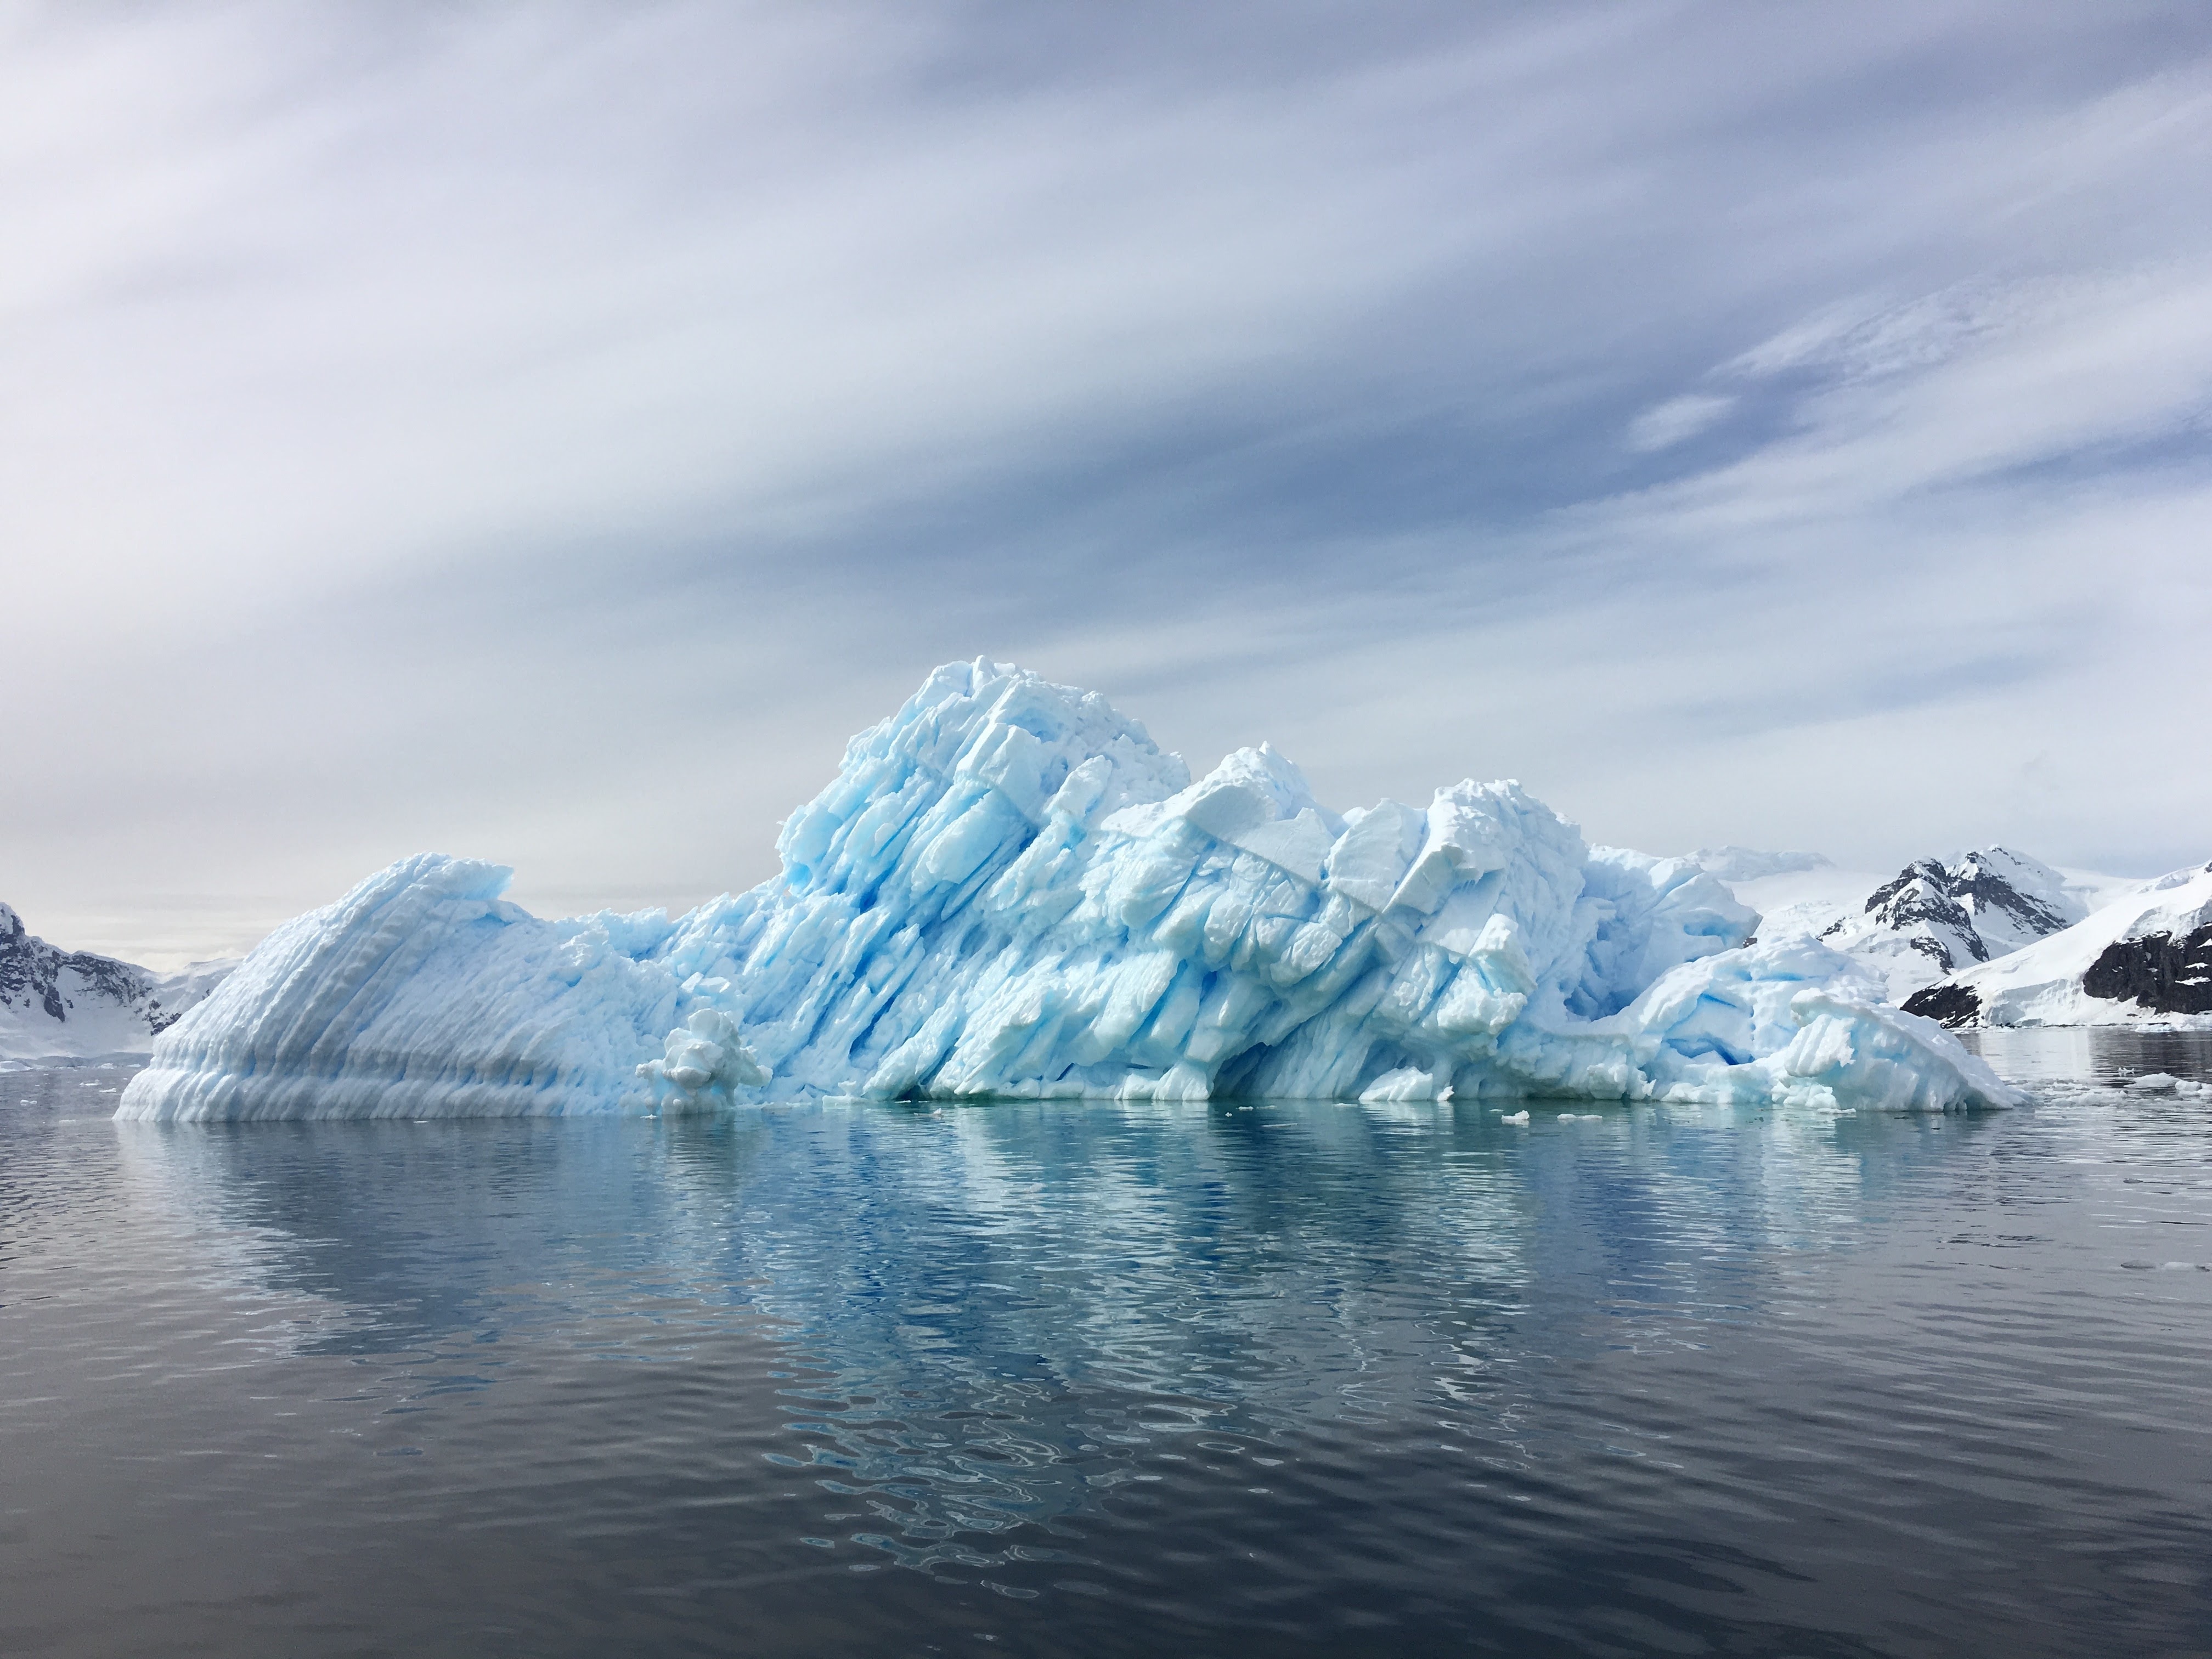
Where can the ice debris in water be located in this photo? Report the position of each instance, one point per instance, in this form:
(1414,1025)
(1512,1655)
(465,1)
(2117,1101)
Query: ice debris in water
(1009,890)
(2164,1082)
(1406,1083)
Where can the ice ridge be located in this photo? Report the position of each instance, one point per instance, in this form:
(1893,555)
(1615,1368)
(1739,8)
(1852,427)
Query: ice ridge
(1009,890)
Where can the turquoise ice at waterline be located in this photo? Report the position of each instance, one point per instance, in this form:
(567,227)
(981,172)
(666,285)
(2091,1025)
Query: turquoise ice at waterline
(1009,891)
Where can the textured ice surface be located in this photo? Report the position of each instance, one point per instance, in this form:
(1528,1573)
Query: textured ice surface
(1008,890)
(423,992)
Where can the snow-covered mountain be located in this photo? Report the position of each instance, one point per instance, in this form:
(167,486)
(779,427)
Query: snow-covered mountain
(2144,959)
(57,1004)
(1933,917)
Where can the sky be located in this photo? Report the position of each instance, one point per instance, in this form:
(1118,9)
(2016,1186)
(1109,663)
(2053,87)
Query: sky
(545,432)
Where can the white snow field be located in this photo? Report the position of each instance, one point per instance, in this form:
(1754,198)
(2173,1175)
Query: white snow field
(1009,890)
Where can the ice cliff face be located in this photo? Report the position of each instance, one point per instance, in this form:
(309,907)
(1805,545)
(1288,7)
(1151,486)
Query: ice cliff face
(1009,890)
(2146,959)
(57,1004)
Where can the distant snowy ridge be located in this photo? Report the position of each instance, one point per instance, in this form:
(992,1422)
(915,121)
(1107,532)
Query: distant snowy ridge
(1935,915)
(2143,960)
(1009,890)
(72,1004)
(1736,864)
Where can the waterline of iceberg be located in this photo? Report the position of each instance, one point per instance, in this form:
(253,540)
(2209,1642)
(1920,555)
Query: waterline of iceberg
(1009,891)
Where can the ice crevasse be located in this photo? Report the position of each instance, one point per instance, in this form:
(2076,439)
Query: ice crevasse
(1009,890)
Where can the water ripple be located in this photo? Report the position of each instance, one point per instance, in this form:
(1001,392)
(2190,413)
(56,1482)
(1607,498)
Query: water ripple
(1089,1380)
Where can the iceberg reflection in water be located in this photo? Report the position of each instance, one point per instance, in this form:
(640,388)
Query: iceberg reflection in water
(1114,1379)
(986,1312)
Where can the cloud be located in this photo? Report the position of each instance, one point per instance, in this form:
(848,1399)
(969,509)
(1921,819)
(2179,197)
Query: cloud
(545,431)
(1678,419)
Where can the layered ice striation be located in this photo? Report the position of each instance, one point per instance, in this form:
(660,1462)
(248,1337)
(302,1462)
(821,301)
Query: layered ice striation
(423,992)
(1009,890)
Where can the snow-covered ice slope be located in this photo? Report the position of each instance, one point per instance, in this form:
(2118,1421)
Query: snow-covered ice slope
(2145,959)
(1009,890)
(72,1004)
(1737,865)
(1799,901)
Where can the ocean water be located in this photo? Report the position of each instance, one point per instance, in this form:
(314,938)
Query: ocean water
(1253,1377)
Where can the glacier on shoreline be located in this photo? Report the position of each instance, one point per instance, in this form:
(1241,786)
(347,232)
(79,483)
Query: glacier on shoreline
(1009,890)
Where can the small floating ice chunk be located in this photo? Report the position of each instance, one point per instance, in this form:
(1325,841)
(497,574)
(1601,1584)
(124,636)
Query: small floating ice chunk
(1513,1117)
(2152,1083)
(1406,1083)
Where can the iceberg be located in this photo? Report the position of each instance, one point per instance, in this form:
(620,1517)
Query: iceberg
(1009,891)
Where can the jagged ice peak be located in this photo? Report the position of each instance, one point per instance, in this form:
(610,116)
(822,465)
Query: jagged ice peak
(1009,890)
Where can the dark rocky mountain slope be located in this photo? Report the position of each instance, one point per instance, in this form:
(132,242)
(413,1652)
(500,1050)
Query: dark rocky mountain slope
(71,1004)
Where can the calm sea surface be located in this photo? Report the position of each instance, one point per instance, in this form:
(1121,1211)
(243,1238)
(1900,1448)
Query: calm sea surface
(1249,1378)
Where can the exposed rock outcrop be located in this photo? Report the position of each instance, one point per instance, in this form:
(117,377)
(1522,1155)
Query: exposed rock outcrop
(57,1004)
(2145,959)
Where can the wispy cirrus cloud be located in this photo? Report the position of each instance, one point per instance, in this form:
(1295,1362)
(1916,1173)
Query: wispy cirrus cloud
(1664,425)
(434,428)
